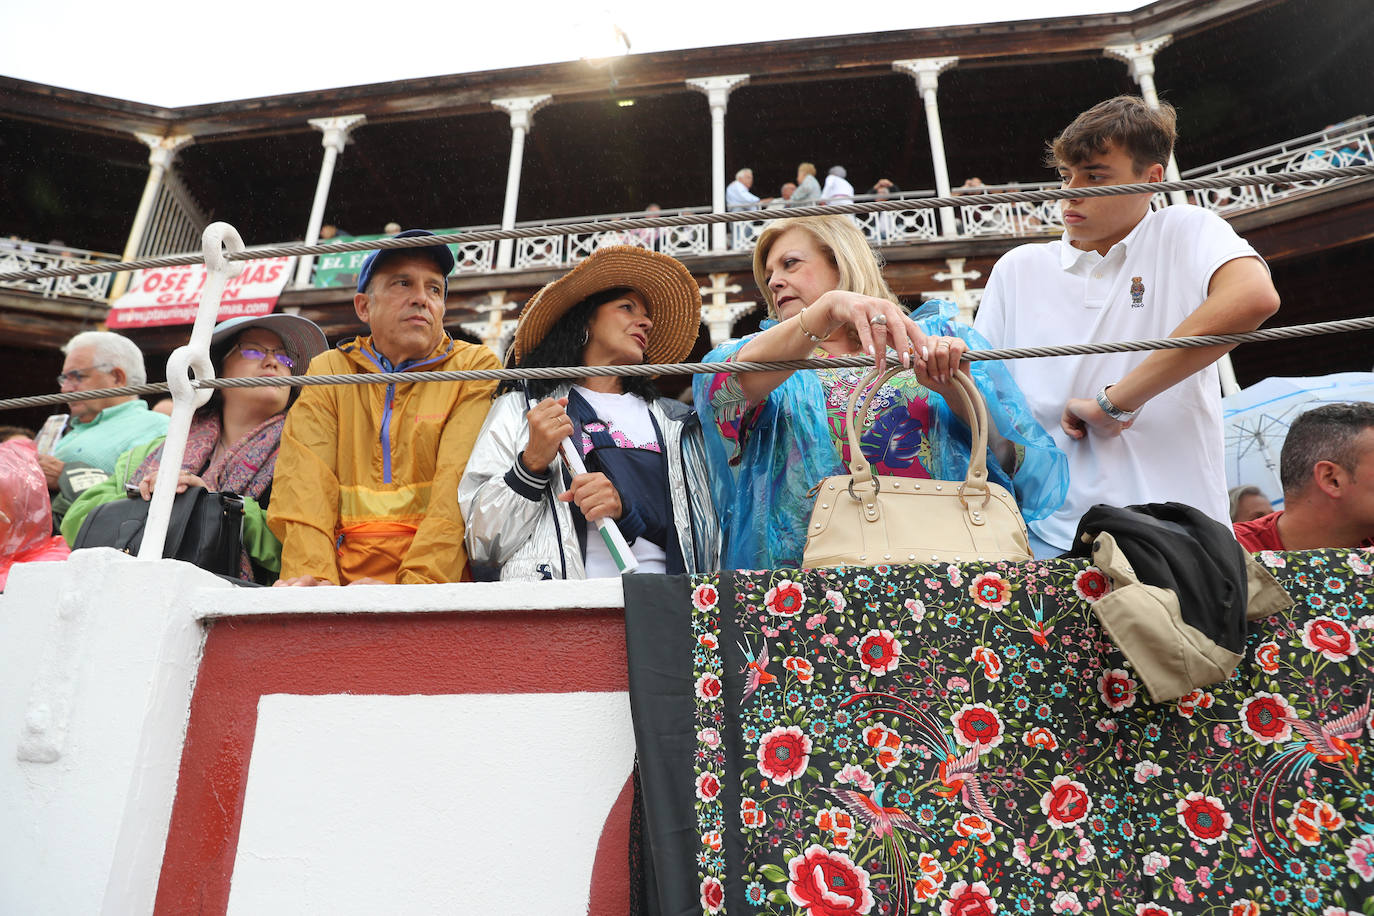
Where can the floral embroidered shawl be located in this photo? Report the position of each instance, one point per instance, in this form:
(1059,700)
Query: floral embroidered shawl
(965,741)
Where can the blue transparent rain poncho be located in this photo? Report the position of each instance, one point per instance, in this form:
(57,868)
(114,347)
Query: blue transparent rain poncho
(761,489)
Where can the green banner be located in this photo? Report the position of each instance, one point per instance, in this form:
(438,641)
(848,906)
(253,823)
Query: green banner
(341,268)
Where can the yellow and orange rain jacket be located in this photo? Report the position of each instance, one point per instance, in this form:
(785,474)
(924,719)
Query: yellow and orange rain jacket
(367,478)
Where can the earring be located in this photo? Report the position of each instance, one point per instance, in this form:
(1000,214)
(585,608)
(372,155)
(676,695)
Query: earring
(586,337)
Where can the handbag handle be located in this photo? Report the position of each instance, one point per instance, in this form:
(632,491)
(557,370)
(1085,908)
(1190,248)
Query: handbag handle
(975,409)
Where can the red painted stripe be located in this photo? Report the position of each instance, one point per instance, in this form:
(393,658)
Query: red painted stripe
(391,654)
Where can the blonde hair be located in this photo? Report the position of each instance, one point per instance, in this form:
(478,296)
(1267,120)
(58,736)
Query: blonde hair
(858,265)
(806,168)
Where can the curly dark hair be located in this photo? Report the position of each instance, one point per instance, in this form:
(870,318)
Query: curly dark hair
(563,346)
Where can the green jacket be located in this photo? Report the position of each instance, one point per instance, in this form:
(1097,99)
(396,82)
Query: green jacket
(262,545)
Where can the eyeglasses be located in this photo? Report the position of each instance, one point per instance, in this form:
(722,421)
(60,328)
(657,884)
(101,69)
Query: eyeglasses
(77,376)
(259,353)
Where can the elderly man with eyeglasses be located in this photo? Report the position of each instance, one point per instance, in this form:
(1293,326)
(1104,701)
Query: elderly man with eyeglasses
(101,428)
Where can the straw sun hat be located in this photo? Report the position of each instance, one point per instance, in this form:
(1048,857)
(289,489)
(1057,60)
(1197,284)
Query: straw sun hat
(673,298)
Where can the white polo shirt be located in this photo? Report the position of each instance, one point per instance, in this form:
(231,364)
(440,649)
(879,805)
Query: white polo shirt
(1144,287)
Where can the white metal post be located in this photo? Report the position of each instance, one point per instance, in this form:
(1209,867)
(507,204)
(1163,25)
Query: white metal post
(926,72)
(521,111)
(193,358)
(161,152)
(717,90)
(336,131)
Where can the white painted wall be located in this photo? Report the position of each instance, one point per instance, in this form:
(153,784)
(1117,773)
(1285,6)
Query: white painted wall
(478,803)
(97,659)
(98,656)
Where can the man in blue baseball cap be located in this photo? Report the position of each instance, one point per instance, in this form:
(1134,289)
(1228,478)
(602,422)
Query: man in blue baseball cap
(367,477)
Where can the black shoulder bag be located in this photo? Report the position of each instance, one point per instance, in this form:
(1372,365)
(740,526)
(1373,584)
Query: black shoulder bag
(205,528)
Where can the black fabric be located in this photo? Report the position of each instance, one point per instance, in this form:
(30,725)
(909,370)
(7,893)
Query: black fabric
(1178,548)
(205,528)
(661,683)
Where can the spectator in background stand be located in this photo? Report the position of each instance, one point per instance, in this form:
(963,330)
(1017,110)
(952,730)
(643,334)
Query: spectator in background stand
(837,189)
(970,186)
(1327,471)
(886,220)
(739,197)
(788,189)
(808,192)
(883,188)
(646,238)
(1248,503)
(392,228)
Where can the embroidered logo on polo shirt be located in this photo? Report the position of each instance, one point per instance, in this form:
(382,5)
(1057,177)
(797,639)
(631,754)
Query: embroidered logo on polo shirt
(1137,293)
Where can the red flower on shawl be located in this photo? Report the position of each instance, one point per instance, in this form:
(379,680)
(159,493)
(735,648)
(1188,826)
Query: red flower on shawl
(785,599)
(825,883)
(1203,817)
(1264,715)
(783,754)
(990,591)
(1066,803)
(1329,637)
(1091,584)
(1117,689)
(969,899)
(977,725)
(712,895)
(879,651)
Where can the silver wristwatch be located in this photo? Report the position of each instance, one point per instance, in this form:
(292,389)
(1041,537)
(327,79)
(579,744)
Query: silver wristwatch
(1111,410)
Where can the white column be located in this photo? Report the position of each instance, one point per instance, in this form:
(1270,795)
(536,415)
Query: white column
(958,291)
(720,314)
(717,90)
(1140,61)
(926,71)
(336,131)
(494,329)
(521,111)
(161,152)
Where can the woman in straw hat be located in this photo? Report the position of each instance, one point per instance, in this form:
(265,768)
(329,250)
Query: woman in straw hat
(524,511)
(773,435)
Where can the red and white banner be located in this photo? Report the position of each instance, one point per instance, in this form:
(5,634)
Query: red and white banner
(171,295)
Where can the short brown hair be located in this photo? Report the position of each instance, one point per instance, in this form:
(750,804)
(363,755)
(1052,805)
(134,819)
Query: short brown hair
(1146,133)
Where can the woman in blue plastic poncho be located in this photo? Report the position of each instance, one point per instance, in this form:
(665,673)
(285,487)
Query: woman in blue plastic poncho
(776,434)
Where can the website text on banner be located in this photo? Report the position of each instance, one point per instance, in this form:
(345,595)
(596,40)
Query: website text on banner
(170,295)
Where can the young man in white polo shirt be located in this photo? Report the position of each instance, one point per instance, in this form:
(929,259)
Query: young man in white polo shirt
(1137,427)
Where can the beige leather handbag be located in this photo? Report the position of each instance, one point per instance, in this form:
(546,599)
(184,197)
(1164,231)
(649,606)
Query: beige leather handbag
(863,520)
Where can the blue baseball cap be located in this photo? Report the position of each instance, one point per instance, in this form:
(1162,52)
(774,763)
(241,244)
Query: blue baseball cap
(443,257)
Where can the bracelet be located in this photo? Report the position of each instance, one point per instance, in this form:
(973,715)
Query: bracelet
(1111,410)
(802,327)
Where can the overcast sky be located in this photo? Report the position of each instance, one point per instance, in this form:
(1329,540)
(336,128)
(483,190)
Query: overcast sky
(175,52)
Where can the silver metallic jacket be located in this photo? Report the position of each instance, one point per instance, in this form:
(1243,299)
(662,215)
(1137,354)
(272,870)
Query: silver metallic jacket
(535,538)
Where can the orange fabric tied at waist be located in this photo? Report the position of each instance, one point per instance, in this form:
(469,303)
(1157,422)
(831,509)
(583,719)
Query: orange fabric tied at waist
(373,549)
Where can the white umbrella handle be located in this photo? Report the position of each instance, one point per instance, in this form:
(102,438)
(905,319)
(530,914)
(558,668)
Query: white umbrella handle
(610,532)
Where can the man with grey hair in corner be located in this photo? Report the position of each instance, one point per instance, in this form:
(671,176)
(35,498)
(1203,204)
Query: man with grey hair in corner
(101,429)
(739,197)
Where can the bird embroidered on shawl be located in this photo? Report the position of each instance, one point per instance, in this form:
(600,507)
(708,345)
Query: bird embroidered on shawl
(1326,742)
(957,773)
(885,822)
(755,671)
